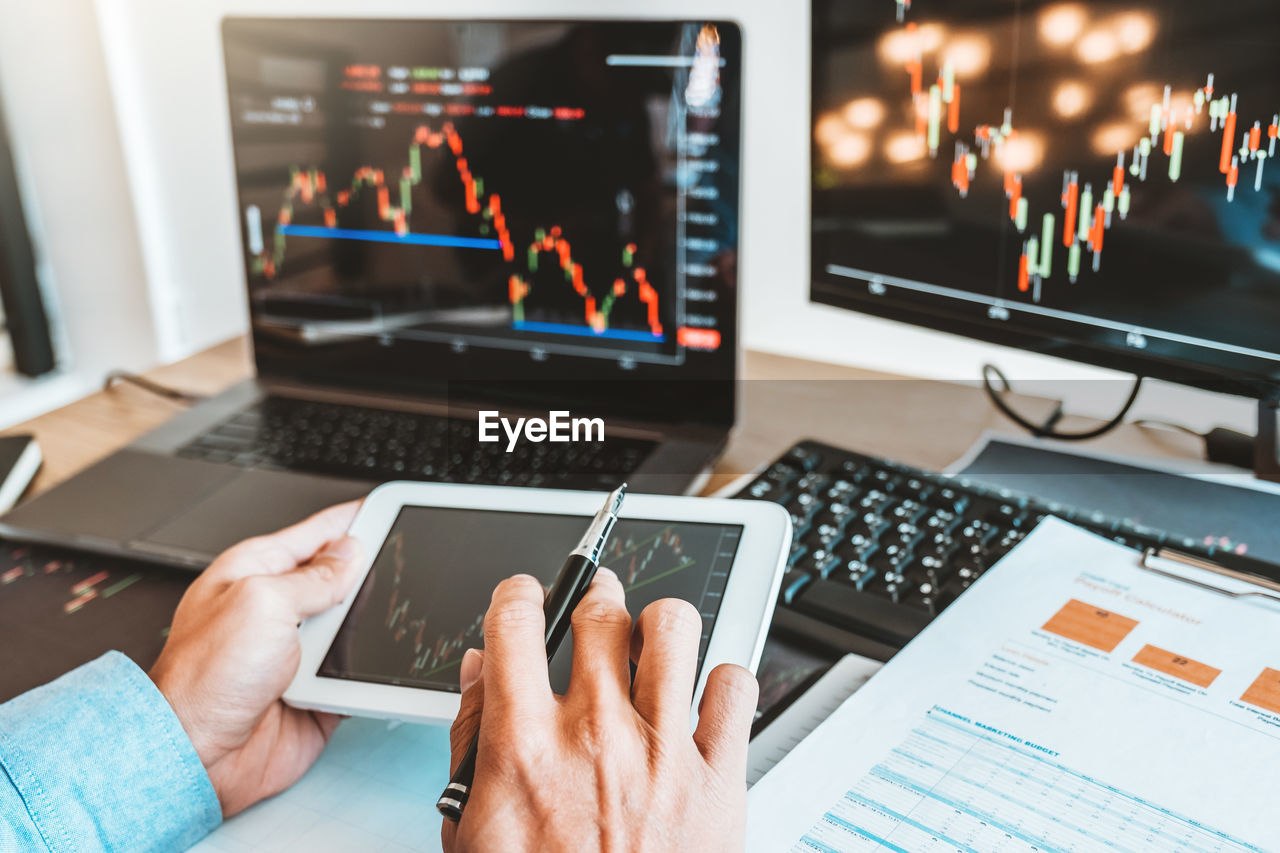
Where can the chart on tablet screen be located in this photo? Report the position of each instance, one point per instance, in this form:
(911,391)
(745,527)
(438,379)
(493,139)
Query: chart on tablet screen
(422,605)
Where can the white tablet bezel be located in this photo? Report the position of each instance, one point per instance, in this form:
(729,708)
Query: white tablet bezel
(737,636)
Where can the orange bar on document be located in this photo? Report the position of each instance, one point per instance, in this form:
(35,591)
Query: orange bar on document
(1184,669)
(1090,626)
(1265,691)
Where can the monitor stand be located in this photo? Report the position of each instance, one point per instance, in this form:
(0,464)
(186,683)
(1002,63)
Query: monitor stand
(1266,447)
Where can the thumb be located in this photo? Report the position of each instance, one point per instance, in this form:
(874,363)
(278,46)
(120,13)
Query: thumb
(471,668)
(464,728)
(467,723)
(325,579)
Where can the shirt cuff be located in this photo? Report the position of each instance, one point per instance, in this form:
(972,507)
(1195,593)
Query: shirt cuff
(100,761)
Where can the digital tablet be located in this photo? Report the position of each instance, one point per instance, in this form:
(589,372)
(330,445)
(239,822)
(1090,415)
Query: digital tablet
(435,552)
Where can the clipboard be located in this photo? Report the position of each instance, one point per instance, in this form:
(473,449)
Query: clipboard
(1269,589)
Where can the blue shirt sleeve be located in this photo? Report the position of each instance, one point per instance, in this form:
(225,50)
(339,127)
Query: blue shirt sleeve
(97,761)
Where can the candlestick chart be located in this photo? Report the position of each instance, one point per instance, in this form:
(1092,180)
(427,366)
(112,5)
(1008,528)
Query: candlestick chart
(488,198)
(310,188)
(414,618)
(61,609)
(1202,123)
(638,562)
(1100,175)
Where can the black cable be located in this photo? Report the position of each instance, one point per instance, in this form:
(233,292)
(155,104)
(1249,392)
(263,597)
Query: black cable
(116,377)
(1147,423)
(1047,429)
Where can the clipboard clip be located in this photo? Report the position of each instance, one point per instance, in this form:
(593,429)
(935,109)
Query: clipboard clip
(1272,588)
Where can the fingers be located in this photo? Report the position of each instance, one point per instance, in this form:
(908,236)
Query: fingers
(667,635)
(283,550)
(724,719)
(464,727)
(515,654)
(469,671)
(601,637)
(327,723)
(324,581)
(467,723)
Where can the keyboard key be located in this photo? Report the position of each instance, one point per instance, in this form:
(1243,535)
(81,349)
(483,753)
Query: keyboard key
(856,547)
(876,617)
(948,498)
(812,483)
(800,457)
(852,572)
(822,537)
(765,489)
(870,525)
(936,568)
(883,586)
(792,582)
(1007,515)
(922,597)
(855,471)
(817,563)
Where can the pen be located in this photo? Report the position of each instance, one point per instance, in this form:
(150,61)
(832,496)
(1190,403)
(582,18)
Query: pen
(570,586)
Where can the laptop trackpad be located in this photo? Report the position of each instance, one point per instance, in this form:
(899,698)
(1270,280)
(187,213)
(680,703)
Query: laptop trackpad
(120,497)
(253,503)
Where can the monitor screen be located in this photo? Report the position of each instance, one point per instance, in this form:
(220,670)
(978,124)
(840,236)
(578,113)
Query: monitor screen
(1095,180)
(498,202)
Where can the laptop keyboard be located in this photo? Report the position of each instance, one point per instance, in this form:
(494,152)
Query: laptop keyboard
(378,444)
(880,548)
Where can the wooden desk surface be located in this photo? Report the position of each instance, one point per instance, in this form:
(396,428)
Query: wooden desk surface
(918,422)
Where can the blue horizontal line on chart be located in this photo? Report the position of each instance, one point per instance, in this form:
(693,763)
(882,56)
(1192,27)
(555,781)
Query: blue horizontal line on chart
(585,331)
(389,237)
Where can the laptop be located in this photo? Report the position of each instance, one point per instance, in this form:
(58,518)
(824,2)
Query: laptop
(463,241)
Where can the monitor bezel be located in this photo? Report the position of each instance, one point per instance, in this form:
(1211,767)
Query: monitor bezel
(716,407)
(1005,333)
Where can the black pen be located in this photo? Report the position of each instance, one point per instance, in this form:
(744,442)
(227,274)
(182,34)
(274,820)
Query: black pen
(569,588)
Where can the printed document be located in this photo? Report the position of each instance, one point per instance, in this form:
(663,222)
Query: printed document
(1069,701)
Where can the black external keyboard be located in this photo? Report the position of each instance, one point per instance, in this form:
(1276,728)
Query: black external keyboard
(880,548)
(379,444)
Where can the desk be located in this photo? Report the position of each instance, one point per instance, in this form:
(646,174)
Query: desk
(918,422)
(369,779)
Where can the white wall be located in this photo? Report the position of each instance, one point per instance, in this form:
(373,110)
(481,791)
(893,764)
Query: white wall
(164,60)
(71,171)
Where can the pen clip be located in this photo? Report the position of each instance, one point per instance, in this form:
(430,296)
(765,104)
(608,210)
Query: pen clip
(1194,562)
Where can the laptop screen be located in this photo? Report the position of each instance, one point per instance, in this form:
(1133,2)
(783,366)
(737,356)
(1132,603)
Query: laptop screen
(515,208)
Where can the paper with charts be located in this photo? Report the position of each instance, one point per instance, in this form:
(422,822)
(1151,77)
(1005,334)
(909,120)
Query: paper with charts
(1070,701)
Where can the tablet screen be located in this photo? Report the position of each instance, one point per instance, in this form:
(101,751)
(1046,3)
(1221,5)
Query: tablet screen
(423,602)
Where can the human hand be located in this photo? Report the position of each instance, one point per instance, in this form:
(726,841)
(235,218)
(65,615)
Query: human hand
(233,649)
(610,765)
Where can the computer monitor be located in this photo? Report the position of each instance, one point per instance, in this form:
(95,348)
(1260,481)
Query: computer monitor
(493,203)
(1093,180)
